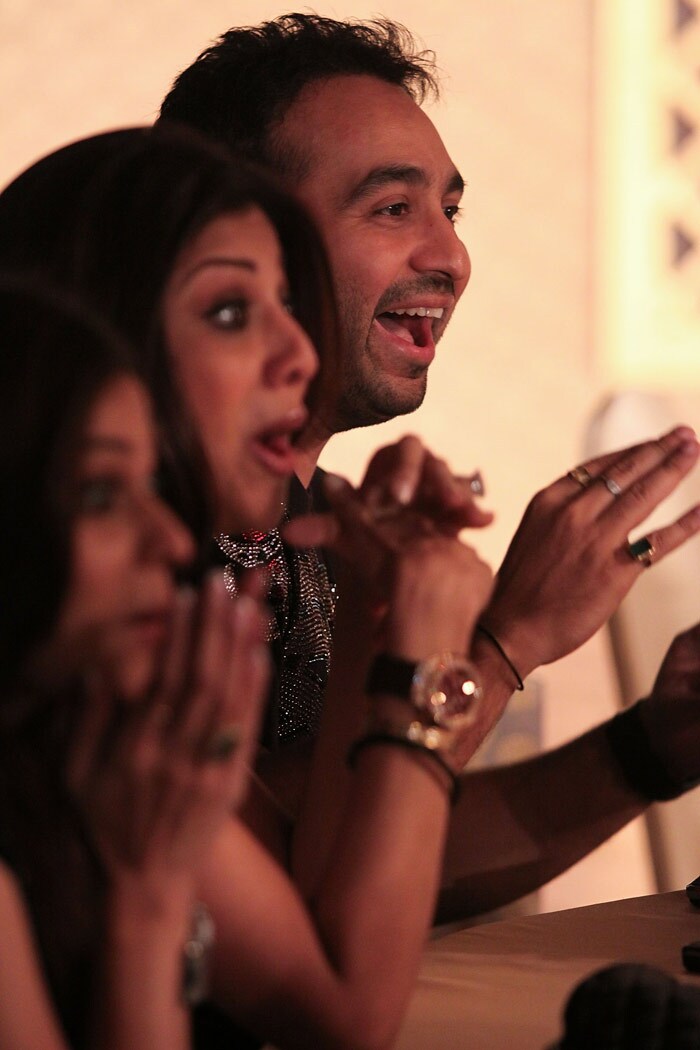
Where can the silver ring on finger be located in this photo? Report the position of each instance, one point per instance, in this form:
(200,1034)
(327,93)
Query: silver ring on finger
(581,475)
(643,551)
(476,484)
(611,485)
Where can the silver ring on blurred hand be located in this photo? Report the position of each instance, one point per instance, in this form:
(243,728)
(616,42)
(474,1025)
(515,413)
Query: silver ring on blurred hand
(611,485)
(581,476)
(643,551)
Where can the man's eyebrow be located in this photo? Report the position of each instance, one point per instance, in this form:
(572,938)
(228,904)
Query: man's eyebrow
(378,177)
(409,174)
(456,184)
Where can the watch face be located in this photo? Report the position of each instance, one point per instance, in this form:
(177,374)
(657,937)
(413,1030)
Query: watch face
(447,687)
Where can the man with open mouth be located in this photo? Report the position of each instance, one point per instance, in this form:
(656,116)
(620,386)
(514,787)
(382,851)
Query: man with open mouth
(334,108)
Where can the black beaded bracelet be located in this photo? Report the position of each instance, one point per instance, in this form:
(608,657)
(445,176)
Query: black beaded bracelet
(495,642)
(411,745)
(639,764)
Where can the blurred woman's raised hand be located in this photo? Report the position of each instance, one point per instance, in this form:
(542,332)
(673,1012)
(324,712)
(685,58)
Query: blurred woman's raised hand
(156,780)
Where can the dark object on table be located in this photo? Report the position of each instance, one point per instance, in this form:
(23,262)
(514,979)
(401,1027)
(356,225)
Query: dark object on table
(690,954)
(632,1007)
(693,892)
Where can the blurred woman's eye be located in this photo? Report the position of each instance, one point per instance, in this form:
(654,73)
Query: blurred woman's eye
(98,495)
(231,315)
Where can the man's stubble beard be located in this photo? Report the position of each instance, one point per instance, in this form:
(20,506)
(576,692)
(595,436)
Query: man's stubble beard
(367,395)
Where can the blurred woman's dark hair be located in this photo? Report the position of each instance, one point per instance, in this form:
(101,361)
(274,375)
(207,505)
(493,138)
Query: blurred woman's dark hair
(108,215)
(55,358)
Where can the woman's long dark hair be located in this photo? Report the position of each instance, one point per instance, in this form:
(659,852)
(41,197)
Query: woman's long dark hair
(55,358)
(108,215)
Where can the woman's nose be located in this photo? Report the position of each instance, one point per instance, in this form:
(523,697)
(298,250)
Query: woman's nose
(166,534)
(293,359)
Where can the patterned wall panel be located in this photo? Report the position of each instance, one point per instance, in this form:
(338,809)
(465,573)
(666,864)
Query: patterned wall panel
(647,74)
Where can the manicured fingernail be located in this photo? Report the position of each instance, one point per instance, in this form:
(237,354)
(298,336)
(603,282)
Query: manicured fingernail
(402,491)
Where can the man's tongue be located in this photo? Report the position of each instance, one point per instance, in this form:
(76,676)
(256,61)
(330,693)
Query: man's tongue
(416,330)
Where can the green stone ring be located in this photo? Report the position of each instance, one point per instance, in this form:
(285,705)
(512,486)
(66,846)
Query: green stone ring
(642,551)
(223,744)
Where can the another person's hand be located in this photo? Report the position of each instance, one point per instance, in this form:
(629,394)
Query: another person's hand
(156,780)
(406,475)
(429,586)
(569,564)
(672,714)
(438,588)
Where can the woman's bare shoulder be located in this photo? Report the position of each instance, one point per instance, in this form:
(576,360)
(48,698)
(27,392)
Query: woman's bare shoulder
(27,1017)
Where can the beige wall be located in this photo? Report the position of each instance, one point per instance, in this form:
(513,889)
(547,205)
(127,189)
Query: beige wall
(516,377)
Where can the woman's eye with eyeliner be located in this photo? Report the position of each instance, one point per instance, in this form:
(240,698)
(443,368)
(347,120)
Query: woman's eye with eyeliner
(231,315)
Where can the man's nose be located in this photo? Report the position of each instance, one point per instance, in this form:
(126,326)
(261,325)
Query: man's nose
(441,251)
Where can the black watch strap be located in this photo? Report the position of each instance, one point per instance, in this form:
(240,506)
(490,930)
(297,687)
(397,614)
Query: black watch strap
(390,674)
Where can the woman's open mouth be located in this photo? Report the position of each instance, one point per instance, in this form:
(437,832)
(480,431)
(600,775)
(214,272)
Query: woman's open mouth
(274,445)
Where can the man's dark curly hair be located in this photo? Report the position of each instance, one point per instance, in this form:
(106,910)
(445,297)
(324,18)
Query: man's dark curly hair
(240,88)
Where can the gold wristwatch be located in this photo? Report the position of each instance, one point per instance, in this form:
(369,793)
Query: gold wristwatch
(443,691)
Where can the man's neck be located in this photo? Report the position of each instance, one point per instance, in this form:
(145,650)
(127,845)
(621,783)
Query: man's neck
(310,447)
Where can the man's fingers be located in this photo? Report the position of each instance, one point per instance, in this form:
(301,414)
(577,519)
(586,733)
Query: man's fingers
(625,461)
(628,494)
(669,538)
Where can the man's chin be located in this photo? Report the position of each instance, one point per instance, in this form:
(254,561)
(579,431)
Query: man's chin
(370,404)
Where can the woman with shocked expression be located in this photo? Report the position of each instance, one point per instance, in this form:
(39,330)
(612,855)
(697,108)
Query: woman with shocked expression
(220,283)
(242,362)
(242,292)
